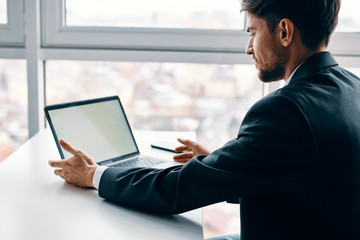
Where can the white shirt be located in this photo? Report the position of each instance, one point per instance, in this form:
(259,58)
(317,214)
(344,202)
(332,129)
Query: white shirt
(97,176)
(101,169)
(291,76)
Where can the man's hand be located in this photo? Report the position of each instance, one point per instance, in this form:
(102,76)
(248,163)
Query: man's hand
(193,147)
(78,170)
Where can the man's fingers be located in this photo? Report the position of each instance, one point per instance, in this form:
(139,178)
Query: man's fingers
(67,147)
(58,172)
(188,145)
(59,163)
(182,148)
(186,142)
(183,156)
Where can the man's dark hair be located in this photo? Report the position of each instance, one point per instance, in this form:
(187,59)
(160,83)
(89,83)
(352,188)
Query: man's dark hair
(314,19)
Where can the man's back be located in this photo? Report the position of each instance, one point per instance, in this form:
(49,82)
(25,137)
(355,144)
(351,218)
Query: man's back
(326,202)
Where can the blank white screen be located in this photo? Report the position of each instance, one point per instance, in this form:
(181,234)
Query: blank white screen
(99,129)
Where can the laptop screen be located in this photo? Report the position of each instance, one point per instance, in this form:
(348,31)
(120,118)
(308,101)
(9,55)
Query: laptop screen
(98,127)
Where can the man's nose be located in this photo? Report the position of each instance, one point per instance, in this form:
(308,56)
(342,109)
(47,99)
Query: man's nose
(249,48)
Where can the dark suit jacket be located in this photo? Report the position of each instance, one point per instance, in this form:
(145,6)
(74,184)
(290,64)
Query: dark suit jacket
(295,164)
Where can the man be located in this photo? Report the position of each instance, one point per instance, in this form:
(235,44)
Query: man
(295,164)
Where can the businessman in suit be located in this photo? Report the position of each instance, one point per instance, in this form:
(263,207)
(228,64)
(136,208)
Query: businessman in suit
(295,163)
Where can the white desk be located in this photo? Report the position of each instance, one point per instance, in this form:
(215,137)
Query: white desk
(36,204)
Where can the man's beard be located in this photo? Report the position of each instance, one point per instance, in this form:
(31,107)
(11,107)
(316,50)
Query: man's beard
(275,74)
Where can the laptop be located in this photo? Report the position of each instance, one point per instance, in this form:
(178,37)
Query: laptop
(100,128)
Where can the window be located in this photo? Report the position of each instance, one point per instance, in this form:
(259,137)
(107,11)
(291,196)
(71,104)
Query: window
(13,102)
(201,14)
(349,20)
(163,96)
(3,12)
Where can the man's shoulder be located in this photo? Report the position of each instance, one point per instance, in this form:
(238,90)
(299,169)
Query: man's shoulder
(277,106)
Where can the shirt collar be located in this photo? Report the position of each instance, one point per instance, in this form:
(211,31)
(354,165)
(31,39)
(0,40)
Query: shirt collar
(291,76)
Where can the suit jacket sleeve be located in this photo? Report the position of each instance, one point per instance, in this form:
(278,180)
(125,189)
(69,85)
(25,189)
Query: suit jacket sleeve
(275,150)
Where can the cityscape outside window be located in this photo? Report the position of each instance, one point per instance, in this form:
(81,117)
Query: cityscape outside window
(13,106)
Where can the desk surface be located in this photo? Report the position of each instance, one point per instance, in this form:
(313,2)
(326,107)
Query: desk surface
(36,204)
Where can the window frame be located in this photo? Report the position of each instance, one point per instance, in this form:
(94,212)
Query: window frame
(12,33)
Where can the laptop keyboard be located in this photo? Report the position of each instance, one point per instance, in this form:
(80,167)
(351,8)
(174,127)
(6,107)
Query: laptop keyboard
(141,161)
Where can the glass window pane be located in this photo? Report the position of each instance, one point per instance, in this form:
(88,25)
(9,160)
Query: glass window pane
(3,11)
(13,106)
(163,96)
(349,20)
(204,14)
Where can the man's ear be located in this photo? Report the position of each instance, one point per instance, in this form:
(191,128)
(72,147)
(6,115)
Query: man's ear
(286,31)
